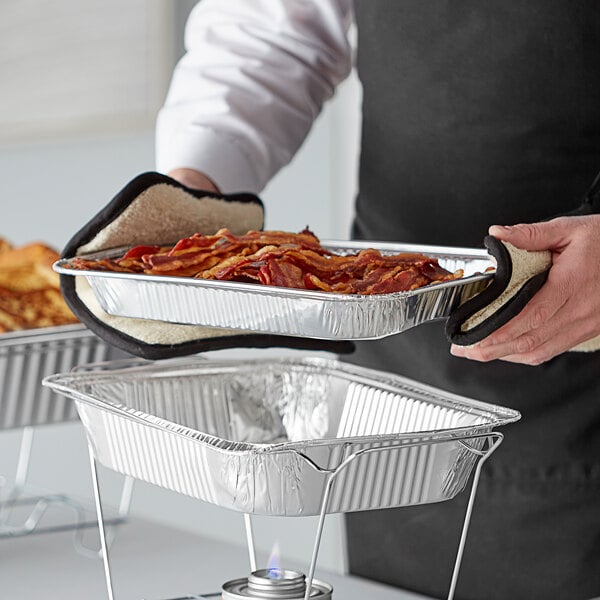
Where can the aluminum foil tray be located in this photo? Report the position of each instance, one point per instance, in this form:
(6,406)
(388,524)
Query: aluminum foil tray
(285,311)
(262,436)
(26,357)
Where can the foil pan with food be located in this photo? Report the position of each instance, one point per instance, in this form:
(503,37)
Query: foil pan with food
(283,283)
(39,336)
(264,436)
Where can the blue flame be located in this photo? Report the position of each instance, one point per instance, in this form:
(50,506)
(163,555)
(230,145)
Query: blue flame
(274,570)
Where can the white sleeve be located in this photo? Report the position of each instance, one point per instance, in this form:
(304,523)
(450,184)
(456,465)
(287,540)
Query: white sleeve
(255,76)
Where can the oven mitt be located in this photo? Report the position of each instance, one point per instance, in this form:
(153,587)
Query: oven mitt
(519,275)
(156,209)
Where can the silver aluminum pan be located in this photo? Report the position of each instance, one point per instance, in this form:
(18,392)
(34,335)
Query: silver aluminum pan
(258,436)
(26,357)
(285,311)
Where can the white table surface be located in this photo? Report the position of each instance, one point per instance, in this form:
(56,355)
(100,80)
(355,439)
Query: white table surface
(149,562)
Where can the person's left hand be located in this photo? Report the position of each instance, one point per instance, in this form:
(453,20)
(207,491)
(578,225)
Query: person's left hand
(566,310)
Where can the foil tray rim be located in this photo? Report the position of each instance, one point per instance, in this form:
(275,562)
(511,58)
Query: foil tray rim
(61,267)
(502,415)
(75,330)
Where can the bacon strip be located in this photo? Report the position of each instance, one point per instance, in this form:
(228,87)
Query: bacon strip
(279,258)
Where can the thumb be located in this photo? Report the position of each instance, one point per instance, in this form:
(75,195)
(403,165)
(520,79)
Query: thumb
(531,236)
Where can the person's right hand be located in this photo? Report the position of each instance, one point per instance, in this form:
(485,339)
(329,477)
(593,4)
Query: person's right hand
(194,179)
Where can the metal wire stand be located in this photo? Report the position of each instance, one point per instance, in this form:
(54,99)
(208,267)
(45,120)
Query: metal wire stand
(489,443)
(15,496)
(25,358)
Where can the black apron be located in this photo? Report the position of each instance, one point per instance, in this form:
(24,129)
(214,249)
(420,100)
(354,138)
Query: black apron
(477,113)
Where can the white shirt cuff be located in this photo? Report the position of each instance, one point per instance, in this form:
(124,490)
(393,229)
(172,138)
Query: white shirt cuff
(217,155)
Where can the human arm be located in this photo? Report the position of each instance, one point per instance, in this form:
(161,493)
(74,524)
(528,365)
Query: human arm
(193,179)
(255,76)
(242,99)
(566,310)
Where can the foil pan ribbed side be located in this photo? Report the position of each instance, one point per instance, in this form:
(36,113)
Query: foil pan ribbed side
(278,484)
(264,436)
(289,311)
(26,357)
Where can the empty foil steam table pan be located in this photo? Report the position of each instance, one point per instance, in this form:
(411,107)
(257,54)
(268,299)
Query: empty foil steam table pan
(26,357)
(263,436)
(303,313)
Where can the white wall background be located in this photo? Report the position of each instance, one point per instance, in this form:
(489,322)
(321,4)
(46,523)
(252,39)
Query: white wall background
(51,184)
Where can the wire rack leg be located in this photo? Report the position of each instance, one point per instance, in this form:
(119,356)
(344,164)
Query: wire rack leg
(319,534)
(126,495)
(23,462)
(16,497)
(463,536)
(21,474)
(101,528)
(250,540)
(24,458)
(112,524)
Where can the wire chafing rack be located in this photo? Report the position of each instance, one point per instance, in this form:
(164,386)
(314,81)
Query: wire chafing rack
(26,357)
(288,437)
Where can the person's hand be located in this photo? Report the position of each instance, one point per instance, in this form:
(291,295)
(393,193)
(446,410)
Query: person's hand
(566,310)
(194,179)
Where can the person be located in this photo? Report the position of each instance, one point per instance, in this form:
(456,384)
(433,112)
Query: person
(475,115)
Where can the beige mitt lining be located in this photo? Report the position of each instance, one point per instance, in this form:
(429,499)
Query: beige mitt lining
(163,214)
(525,264)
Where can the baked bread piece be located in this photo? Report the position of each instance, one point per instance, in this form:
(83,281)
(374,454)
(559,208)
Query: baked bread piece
(4,245)
(30,294)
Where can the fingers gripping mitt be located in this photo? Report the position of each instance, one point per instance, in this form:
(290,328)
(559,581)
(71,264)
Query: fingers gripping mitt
(519,275)
(155,209)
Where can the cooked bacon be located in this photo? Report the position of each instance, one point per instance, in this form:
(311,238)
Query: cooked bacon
(104,264)
(139,251)
(279,258)
(282,274)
